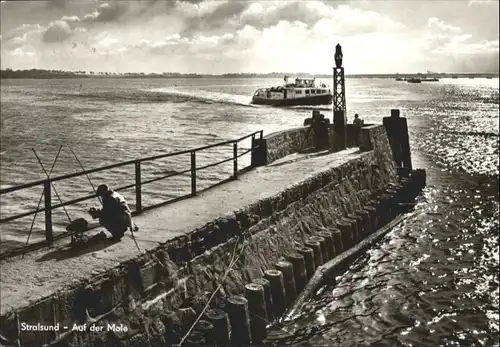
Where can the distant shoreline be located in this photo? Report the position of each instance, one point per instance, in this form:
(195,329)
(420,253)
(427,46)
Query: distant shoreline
(52,74)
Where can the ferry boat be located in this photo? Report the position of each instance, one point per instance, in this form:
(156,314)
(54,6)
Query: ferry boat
(303,92)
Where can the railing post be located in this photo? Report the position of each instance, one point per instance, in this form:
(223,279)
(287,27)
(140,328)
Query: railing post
(235,159)
(48,212)
(138,190)
(193,173)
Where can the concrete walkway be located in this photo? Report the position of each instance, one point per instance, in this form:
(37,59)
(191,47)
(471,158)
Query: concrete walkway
(46,270)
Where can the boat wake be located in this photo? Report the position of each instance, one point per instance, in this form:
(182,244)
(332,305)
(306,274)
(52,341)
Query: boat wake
(312,108)
(164,95)
(202,96)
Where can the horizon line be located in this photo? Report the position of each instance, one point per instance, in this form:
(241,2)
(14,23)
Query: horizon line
(91,72)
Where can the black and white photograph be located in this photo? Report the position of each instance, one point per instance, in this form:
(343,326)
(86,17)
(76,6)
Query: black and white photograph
(249,173)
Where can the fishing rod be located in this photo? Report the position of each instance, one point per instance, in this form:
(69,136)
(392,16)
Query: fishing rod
(95,192)
(41,197)
(87,175)
(55,191)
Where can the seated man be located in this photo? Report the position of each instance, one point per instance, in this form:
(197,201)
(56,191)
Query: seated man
(115,215)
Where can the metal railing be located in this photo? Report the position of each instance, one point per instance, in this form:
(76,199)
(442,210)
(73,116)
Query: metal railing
(138,184)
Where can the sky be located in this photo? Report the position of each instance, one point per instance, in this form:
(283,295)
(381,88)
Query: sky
(214,37)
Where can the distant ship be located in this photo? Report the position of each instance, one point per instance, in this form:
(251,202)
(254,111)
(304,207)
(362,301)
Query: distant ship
(302,92)
(413,80)
(432,79)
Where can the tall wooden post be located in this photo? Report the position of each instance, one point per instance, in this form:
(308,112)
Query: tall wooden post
(138,189)
(397,132)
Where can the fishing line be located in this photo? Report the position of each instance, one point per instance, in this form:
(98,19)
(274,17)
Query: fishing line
(234,258)
(86,174)
(48,177)
(41,197)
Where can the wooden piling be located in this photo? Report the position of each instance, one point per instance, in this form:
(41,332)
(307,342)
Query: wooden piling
(337,241)
(275,277)
(308,254)
(237,310)
(316,247)
(397,188)
(286,269)
(372,213)
(359,220)
(330,248)
(392,192)
(219,320)
(322,246)
(207,329)
(299,269)
(345,228)
(405,190)
(381,212)
(365,222)
(267,295)
(355,228)
(384,209)
(195,339)
(392,203)
(257,310)
(374,203)
(420,178)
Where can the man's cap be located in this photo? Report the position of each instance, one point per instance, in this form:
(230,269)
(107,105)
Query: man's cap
(103,188)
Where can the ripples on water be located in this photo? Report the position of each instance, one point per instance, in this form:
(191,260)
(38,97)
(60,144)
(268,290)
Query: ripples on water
(433,280)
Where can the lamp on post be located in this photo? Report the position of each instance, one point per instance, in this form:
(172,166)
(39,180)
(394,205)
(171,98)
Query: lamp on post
(338,56)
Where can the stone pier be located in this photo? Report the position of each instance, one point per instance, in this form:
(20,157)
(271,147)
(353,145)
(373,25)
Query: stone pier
(154,296)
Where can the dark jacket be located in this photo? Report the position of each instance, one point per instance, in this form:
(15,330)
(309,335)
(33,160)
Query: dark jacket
(114,203)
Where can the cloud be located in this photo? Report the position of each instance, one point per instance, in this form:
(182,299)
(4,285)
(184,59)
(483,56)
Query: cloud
(263,17)
(124,11)
(23,29)
(328,19)
(435,23)
(57,31)
(214,15)
(108,12)
(70,18)
(20,39)
(18,52)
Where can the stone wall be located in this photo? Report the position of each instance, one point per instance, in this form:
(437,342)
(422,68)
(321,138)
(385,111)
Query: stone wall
(283,143)
(158,294)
